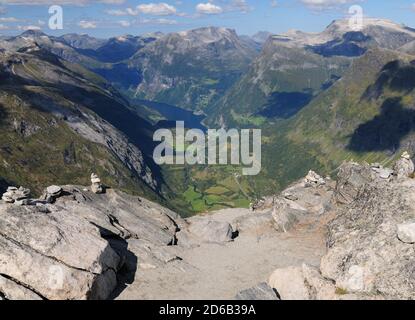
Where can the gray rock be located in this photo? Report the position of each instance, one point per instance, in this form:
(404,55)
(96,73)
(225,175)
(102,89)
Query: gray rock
(365,256)
(261,292)
(289,284)
(14,291)
(255,223)
(210,231)
(352,178)
(57,251)
(404,167)
(96,186)
(285,217)
(55,191)
(13,194)
(51,194)
(290,196)
(406,232)
(385,173)
(313,179)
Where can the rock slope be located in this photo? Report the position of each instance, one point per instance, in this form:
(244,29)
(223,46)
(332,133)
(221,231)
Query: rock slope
(318,240)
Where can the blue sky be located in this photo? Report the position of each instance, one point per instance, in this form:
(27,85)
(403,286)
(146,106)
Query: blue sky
(106,18)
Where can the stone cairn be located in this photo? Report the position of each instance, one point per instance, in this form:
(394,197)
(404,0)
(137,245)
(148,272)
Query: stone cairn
(313,180)
(52,193)
(96,187)
(404,167)
(18,196)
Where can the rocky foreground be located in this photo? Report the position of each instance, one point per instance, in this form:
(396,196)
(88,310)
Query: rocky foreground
(319,239)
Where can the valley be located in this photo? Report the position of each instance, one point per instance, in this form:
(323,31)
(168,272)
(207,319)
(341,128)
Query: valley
(318,98)
(88,212)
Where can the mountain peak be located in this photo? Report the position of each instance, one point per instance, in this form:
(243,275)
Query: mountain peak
(33,33)
(342,25)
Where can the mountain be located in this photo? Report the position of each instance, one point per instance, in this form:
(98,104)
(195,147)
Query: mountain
(118,49)
(294,68)
(60,122)
(261,37)
(191,69)
(319,98)
(82,41)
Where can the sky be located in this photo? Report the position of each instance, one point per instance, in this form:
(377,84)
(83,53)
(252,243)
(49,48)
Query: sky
(108,18)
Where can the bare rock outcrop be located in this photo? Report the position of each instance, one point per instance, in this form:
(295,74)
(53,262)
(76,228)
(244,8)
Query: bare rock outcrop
(77,247)
(370,252)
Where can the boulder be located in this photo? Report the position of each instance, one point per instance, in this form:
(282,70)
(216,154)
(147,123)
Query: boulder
(199,230)
(255,223)
(261,292)
(211,231)
(284,216)
(406,232)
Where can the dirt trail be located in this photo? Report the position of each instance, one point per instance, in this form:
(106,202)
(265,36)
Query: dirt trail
(214,271)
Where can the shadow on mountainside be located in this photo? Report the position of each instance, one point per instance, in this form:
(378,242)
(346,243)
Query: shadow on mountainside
(3,114)
(395,76)
(284,105)
(386,131)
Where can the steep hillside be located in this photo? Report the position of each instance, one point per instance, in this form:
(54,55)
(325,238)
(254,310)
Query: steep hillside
(294,68)
(192,69)
(60,122)
(367,116)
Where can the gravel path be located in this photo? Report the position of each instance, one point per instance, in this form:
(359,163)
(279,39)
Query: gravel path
(214,271)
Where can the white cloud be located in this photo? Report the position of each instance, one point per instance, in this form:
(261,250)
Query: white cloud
(84,24)
(26,28)
(9,19)
(124,23)
(3,27)
(155,9)
(160,21)
(117,12)
(208,8)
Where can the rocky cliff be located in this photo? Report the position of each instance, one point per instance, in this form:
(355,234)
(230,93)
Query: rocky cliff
(319,239)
